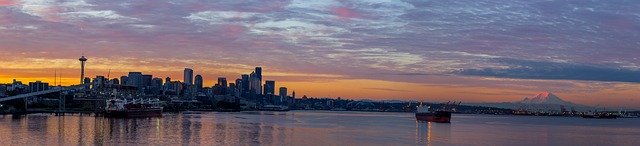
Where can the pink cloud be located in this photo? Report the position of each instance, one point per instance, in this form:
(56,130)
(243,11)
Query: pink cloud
(7,2)
(233,31)
(345,13)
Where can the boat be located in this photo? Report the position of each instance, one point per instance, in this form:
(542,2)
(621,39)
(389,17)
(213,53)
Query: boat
(121,108)
(274,108)
(424,114)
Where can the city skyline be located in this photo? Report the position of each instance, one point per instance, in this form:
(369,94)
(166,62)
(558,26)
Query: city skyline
(585,52)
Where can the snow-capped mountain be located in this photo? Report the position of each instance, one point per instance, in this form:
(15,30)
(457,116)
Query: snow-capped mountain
(545,98)
(542,101)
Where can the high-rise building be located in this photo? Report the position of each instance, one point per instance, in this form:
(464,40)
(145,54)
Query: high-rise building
(167,83)
(245,84)
(259,72)
(255,83)
(82,60)
(232,89)
(99,82)
(188,76)
(124,80)
(269,87)
(156,85)
(114,81)
(87,83)
(222,81)
(199,83)
(135,79)
(283,92)
(146,80)
(239,86)
(38,86)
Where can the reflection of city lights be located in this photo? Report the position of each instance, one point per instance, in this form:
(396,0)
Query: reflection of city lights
(158,123)
(429,133)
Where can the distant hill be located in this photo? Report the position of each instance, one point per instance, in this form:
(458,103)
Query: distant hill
(544,101)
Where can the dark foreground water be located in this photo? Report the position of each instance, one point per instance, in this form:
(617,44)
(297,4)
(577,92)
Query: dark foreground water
(315,128)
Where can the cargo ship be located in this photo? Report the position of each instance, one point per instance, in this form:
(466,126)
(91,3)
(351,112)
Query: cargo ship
(424,114)
(121,108)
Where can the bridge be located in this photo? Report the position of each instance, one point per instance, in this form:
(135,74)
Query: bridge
(53,90)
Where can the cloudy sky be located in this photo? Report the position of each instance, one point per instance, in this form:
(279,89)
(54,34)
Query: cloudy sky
(471,50)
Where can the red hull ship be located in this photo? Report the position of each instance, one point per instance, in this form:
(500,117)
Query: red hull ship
(425,114)
(437,116)
(135,109)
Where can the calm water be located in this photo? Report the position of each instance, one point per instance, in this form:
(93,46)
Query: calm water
(315,128)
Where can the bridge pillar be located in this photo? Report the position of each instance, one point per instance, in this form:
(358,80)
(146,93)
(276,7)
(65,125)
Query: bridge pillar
(61,104)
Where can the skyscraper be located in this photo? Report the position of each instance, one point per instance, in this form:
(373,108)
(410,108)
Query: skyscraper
(259,73)
(239,86)
(255,82)
(146,80)
(199,83)
(222,81)
(124,80)
(87,83)
(245,84)
(167,83)
(283,92)
(188,76)
(82,60)
(156,85)
(135,79)
(99,82)
(269,87)
(114,81)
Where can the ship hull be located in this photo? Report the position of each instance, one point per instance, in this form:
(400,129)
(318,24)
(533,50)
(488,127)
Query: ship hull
(438,117)
(137,113)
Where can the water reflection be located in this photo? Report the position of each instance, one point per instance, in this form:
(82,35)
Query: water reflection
(309,128)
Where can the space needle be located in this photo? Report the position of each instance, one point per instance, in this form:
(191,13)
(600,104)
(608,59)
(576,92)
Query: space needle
(82,60)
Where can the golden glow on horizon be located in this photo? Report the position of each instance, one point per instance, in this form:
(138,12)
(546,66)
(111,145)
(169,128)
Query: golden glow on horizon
(325,85)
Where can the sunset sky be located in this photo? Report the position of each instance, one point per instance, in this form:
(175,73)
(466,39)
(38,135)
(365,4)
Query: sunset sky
(587,52)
